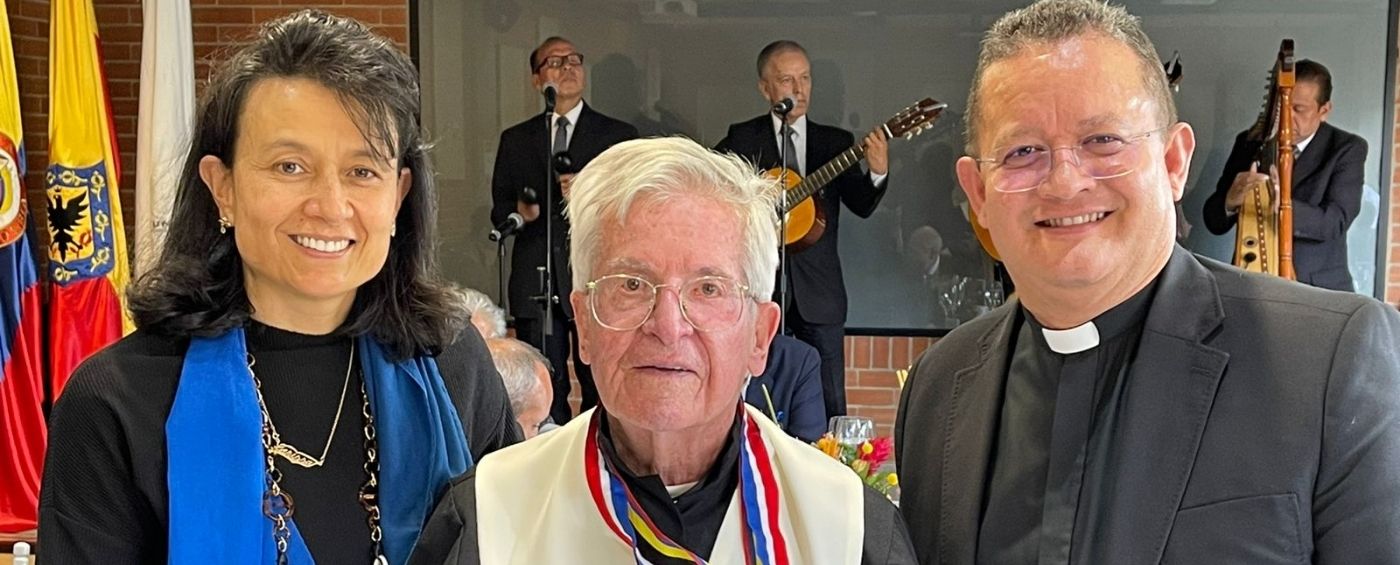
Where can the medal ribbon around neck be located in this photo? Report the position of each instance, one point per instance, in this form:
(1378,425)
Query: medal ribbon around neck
(758,489)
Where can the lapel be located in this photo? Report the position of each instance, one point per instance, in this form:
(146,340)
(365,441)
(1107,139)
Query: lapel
(768,145)
(1311,160)
(970,431)
(1168,400)
(579,146)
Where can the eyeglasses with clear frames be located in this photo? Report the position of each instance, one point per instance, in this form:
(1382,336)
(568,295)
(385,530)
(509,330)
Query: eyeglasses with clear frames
(1023,167)
(625,302)
(558,61)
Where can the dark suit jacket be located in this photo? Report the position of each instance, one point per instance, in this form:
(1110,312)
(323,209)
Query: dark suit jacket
(520,163)
(793,378)
(1260,424)
(1327,180)
(815,273)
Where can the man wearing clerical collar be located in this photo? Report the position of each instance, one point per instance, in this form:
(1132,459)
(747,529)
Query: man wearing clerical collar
(1136,403)
(674,253)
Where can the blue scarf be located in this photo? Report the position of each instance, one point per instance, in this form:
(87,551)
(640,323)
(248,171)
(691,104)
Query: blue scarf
(217,469)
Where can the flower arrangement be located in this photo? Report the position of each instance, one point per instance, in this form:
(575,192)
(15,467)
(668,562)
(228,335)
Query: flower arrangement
(865,459)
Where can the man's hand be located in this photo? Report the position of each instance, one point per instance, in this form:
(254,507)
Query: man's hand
(1241,185)
(877,152)
(530,212)
(566,181)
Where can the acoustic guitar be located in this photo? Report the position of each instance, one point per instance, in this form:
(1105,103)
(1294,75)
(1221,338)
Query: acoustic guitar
(806,222)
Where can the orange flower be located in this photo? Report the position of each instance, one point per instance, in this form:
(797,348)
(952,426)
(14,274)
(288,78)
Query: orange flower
(829,446)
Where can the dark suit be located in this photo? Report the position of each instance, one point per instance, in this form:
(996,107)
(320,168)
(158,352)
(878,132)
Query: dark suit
(816,312)
(520,163)
(792,381)
(1228,448)
(1327,181)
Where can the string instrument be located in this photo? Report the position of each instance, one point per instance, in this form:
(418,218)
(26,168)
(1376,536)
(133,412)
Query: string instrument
(806,221)
(1264,236)
(1174,74)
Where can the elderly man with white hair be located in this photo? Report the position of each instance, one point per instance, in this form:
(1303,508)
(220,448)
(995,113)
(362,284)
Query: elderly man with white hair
(487,317)
(525,372)
(674,254)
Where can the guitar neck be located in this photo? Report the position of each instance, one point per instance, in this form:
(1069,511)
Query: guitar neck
(821,177)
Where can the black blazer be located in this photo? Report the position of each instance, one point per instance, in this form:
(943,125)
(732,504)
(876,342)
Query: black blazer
(1229,448)
(815,273)
(793,380)
(520,163)
(1327,181)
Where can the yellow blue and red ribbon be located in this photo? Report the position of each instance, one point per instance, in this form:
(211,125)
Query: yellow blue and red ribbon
(758,488)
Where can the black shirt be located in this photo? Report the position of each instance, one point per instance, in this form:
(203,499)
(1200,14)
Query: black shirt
(104,497)
(692,519)
(1058,416)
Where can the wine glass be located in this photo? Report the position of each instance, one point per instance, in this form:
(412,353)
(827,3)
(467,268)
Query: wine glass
(851,430)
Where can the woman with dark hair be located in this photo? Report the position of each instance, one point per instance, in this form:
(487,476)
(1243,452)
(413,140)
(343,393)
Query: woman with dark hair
(300,384)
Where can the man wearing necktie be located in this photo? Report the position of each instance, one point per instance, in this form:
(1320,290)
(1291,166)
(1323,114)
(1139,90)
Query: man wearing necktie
(816,301)
(1328,171)
(518,186)
(1134,403)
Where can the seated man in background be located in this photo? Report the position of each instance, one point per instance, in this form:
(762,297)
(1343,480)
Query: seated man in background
(675,253)
(487,317)
(790,389)
(525,372)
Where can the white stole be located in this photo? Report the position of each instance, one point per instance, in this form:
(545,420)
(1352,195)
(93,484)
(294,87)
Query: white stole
(533,504)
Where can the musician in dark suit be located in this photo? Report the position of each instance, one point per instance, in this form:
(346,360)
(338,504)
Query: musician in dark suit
(1327,176)
(790,389)
(521,165)
(1134,403)
(816,304)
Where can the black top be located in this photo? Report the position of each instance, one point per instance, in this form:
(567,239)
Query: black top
(692,519)
(815,279)
(1058,413)
(520,164)
(104,497)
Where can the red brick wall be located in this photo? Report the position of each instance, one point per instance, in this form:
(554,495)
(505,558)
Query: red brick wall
(217,25)
(1391,269)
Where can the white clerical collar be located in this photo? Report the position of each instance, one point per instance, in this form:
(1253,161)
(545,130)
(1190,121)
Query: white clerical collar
(675,491)
(1074,340)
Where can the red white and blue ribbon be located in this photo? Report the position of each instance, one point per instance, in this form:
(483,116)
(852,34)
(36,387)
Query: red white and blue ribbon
(761,502)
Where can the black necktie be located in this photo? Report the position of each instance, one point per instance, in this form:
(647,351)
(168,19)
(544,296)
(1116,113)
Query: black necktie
(561,134)
(791,148)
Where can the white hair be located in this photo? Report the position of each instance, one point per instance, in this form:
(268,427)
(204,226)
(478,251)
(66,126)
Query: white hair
(515,360)
(655,169)
(481,307)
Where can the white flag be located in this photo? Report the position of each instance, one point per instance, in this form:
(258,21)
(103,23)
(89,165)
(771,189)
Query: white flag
(164,122)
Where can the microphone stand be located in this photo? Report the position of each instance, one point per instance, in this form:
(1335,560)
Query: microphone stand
(546,272)
(782,219)
(501,275)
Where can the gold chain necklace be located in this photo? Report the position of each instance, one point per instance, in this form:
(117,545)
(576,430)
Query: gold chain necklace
(286,450)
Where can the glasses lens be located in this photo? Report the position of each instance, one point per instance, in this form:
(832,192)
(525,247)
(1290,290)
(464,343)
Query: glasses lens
(622,301)
(712,303)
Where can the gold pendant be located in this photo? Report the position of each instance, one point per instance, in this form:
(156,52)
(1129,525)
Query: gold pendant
(295,456)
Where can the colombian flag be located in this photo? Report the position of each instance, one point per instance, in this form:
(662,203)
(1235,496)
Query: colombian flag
(87,253)
(22,432)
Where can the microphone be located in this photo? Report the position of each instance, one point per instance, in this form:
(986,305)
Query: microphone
(529,196)
(784,106)
(563,163)
(505,229)
(551,91)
